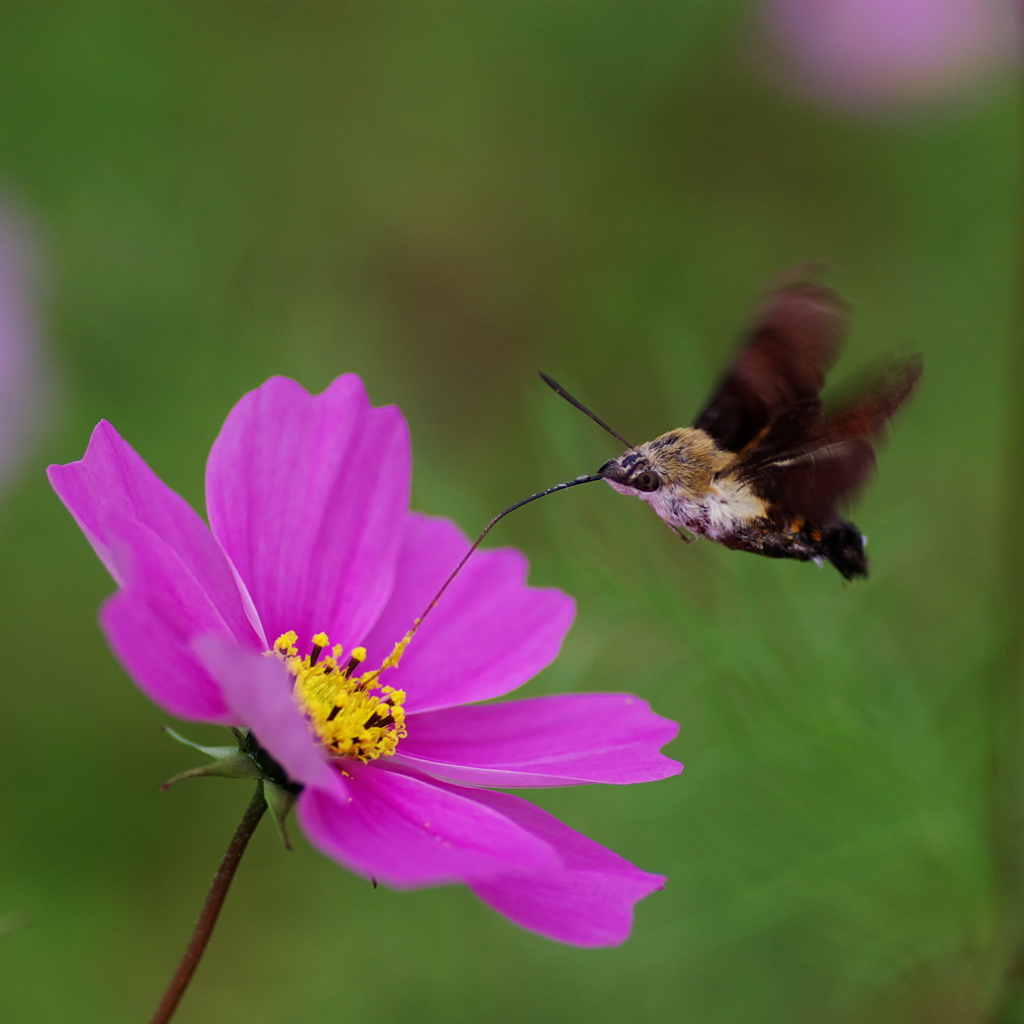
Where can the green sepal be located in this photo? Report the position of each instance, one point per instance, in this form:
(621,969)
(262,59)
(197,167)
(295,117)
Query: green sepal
(228,762)
(214,752)
(240,763)
(280,801)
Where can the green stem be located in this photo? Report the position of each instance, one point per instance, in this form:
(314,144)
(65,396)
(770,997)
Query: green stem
(211,908)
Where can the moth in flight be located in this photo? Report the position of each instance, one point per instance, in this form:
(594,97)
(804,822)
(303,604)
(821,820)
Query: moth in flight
(764,468)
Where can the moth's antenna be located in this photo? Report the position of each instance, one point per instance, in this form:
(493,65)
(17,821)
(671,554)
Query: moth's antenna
(556,387)
(583,479)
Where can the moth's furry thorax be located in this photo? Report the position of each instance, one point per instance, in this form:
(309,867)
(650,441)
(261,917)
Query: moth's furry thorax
(684,476)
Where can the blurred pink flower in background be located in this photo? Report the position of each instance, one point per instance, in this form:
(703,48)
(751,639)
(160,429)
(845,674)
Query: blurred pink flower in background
(311,543)
(892,53)
(22,394)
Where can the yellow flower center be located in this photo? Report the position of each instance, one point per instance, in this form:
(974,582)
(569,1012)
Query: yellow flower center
(354,715)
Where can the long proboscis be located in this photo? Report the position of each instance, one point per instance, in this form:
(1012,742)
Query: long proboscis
(558,389)
(582,479)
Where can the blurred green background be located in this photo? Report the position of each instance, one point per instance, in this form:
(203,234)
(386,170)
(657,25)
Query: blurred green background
(445,197)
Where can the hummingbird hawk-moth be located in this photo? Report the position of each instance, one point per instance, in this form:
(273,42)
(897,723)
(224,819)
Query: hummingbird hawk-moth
(765,468)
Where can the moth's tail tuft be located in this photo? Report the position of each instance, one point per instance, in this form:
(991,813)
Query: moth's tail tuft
(843,546)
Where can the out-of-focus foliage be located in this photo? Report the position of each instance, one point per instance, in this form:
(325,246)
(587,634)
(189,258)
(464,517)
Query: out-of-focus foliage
(445,197)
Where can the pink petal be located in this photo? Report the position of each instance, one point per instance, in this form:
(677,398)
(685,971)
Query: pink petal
(588,901)
(877,52)
(152,621)
(24,401)
(545,741)
(307,495)
(408,831)
(258,689)
(488,635)
(112,481)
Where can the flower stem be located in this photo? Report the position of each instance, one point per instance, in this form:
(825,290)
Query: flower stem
(211,908)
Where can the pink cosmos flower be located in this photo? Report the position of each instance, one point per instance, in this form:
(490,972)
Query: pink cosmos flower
(311,544)
(872,53)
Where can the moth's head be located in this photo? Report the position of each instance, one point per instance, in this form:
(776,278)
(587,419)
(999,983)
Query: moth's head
(632,472)
(682,461)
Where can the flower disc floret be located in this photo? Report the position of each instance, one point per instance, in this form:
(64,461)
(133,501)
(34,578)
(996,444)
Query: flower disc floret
(353,715)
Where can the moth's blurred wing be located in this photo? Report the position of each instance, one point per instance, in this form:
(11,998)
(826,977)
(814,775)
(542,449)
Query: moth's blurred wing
(782,366)
(813,483)
(869,406)
(828,467)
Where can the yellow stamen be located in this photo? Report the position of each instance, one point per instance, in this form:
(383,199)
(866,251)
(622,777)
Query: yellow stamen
(354,716)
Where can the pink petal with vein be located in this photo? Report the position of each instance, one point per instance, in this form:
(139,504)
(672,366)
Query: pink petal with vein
(407,831)
(307,494)
(111,481)
(588,901)
(152,621)
(564,740)
(489,634)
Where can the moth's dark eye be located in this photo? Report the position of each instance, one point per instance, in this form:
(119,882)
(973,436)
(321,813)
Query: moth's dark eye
(647,481)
